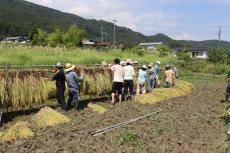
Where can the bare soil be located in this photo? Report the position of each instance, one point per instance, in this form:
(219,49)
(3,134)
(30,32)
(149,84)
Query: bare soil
(189,124)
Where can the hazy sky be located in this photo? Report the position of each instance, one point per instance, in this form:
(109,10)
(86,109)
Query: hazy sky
(179,19)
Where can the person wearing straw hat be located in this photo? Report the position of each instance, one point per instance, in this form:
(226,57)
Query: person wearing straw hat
(169,77)
(142,76)
(128,79)
(60,79)
(72,82)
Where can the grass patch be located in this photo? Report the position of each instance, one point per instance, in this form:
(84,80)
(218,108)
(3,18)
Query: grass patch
(18,131)
(48,117)
(129,138)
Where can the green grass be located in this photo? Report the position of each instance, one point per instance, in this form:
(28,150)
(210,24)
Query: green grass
(28,55)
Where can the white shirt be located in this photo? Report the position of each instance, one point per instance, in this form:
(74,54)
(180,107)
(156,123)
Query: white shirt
(118,73)
(128,72)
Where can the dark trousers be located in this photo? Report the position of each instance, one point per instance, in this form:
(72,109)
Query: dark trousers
(73,99)
(128,86)
(227,93)
(60,94)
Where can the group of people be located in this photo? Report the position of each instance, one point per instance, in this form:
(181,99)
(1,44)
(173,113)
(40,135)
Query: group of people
(123,81)
(148,78)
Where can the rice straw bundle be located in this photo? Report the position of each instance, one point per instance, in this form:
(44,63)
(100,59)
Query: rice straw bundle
(18,131)
(48,117)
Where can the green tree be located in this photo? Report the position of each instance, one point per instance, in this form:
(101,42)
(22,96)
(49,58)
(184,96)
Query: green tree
(39,38)
(55,38)
(73,37)
(163,50)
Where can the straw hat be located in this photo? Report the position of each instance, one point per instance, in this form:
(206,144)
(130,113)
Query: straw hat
(135,62)
(151,65)
(69,67)
(158,62)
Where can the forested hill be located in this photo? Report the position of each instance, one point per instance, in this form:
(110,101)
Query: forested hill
(19,18)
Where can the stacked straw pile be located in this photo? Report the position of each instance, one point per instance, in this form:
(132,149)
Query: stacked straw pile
(97,108)
(48,117)
(157,95)
(18,131)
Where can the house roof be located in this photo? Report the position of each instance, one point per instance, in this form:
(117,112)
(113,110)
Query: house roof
(192,49)
(151,43)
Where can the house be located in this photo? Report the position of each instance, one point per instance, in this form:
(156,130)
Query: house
(16,39)
(150,45)
(195,52)
(88,42)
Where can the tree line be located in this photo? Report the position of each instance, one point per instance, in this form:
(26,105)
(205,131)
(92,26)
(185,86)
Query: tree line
(70,38)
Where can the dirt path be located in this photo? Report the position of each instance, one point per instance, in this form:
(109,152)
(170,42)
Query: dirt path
(189,124)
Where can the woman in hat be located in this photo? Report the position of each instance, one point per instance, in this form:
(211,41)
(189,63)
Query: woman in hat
(142,76)
(72,82)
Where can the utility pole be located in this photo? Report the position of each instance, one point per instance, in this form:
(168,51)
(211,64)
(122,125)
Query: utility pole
(114,32)
(102,39)
(219,35)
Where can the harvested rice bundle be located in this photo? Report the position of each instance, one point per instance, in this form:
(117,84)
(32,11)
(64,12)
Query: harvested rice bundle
(18,131)
(48,117)
(97,108)
(182,88)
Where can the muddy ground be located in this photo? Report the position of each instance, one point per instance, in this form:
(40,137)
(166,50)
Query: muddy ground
(190,124)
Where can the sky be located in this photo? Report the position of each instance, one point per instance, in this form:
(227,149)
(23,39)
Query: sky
(179,19)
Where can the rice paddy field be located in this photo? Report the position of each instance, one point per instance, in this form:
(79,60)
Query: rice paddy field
(193,119)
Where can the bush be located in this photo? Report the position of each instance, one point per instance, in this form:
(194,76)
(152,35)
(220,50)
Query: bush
(184,55)
(138,50)
(216,69)
(163,50)
(217,55)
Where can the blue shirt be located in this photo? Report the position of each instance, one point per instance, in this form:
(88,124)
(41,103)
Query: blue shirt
(142,76)
(72,81)
(156,69)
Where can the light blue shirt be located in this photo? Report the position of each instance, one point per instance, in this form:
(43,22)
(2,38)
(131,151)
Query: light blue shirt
(142,76)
